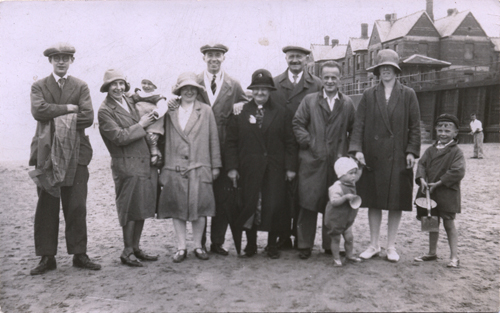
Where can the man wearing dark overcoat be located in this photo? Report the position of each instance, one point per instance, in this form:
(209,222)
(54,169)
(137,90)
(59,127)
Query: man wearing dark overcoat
(61,151)
(222,93)
(322,125)
(291,87)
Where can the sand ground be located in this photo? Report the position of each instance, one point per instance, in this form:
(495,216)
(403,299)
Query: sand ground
(257,284)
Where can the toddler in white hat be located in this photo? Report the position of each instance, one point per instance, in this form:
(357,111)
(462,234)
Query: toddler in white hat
(341,209)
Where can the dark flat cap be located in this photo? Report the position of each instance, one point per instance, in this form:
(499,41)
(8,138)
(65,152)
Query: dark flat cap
(216,47)
(296,48)
(447,118)
(60,48)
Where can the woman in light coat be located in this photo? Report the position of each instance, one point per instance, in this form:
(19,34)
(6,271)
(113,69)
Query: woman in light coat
(386,133)
(192,163)
(123,132)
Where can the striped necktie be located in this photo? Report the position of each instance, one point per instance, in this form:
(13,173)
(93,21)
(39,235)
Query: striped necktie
(259,115)
(61,82)
(213,85)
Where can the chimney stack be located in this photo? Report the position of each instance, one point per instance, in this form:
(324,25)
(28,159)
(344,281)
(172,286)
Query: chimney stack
(327,40)
(364,30)
(452,12)
(430,9)
(388,17)
(335,42)
(394,17)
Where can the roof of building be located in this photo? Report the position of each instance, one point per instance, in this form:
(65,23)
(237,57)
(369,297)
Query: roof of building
(399,28)
(359,43)
(418,59)
(496,42)
(447,25)
(322,52)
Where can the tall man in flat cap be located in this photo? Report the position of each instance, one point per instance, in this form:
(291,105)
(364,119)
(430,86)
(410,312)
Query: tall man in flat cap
(60,152)
(291,87)
(222,93)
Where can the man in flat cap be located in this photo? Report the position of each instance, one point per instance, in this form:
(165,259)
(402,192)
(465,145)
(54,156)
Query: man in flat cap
(222,93)
(60,152)
(291,87)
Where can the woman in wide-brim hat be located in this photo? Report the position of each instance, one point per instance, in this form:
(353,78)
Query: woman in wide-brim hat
(123,132)
(386,135)
(192,163)
(260,157)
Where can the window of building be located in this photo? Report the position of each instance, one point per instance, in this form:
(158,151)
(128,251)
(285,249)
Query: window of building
(396,48)
(362,61)
(343,67)
(358,61)
(469,51)
(349,64)
(371,58)
(422,48)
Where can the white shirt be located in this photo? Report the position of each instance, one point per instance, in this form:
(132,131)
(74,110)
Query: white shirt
(299,76)
(476,125)
(123,104)
(184,114)
(57,77)
(331,102)
(219,79)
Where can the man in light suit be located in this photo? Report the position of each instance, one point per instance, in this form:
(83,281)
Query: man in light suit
(291,87)
(222,93)
(53,97)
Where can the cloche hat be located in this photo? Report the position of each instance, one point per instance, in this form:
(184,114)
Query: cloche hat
(344,165)
(110,76)
(386,57)
(186,79)
(262,79)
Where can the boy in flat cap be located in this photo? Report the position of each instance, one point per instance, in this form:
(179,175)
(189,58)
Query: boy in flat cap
(291,87)
(61,151)
(440,170)
(222,93)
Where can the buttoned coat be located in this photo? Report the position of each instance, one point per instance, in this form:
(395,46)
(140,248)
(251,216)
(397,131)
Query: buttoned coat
(291,96)
(49,101)
(135,179)
(323,138)
(262,156)
(190,155)
(448,166)
(386,133)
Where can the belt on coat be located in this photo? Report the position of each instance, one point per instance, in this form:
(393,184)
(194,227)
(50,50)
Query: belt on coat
(185,170)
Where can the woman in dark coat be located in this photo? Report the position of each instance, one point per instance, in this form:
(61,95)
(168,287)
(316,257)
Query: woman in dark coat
(386,134)
(123,132)
(261,152)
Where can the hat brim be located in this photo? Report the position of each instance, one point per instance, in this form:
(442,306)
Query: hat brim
(296,48)
(261,86)
(374,69)
(214,49)
(176,90)
(105,85)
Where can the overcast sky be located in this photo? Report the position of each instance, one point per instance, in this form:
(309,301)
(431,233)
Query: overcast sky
(161,39)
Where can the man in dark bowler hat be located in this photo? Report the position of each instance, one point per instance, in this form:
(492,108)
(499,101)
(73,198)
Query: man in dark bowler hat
(60,152)
(222,93)
(291,87)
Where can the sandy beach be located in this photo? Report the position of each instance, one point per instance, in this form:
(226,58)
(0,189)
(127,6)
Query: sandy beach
(257,284)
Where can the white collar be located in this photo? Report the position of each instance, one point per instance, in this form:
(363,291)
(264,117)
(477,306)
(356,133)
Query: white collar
(334,97)
(209,76)
(56,77)
(290,76)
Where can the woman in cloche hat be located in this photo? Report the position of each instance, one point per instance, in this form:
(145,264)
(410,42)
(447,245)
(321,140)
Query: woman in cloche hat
(123,132)
(386,135)
(192,163)
(260,157)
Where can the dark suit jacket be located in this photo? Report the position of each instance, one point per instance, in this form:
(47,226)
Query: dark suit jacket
(230,94)
(290,97)
(48,102)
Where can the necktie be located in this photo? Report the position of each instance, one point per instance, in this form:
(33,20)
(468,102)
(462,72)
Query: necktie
(259,115)
(295,79)
(213,85)
(61,82)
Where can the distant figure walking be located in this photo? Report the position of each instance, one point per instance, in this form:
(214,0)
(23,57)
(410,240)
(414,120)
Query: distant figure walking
(476,128)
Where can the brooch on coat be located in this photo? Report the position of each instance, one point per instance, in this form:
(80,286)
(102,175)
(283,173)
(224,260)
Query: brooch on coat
(252,119)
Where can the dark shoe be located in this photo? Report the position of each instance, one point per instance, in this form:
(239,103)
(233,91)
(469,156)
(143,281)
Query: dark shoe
(249,252)
(473,157)
(128,261)
(285,244)
(218,249)
(201,254)
(328,251)
(425,258)
(47,263)
(141,255)
(83,261)
(305,253)
(180,255)
(273,253)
